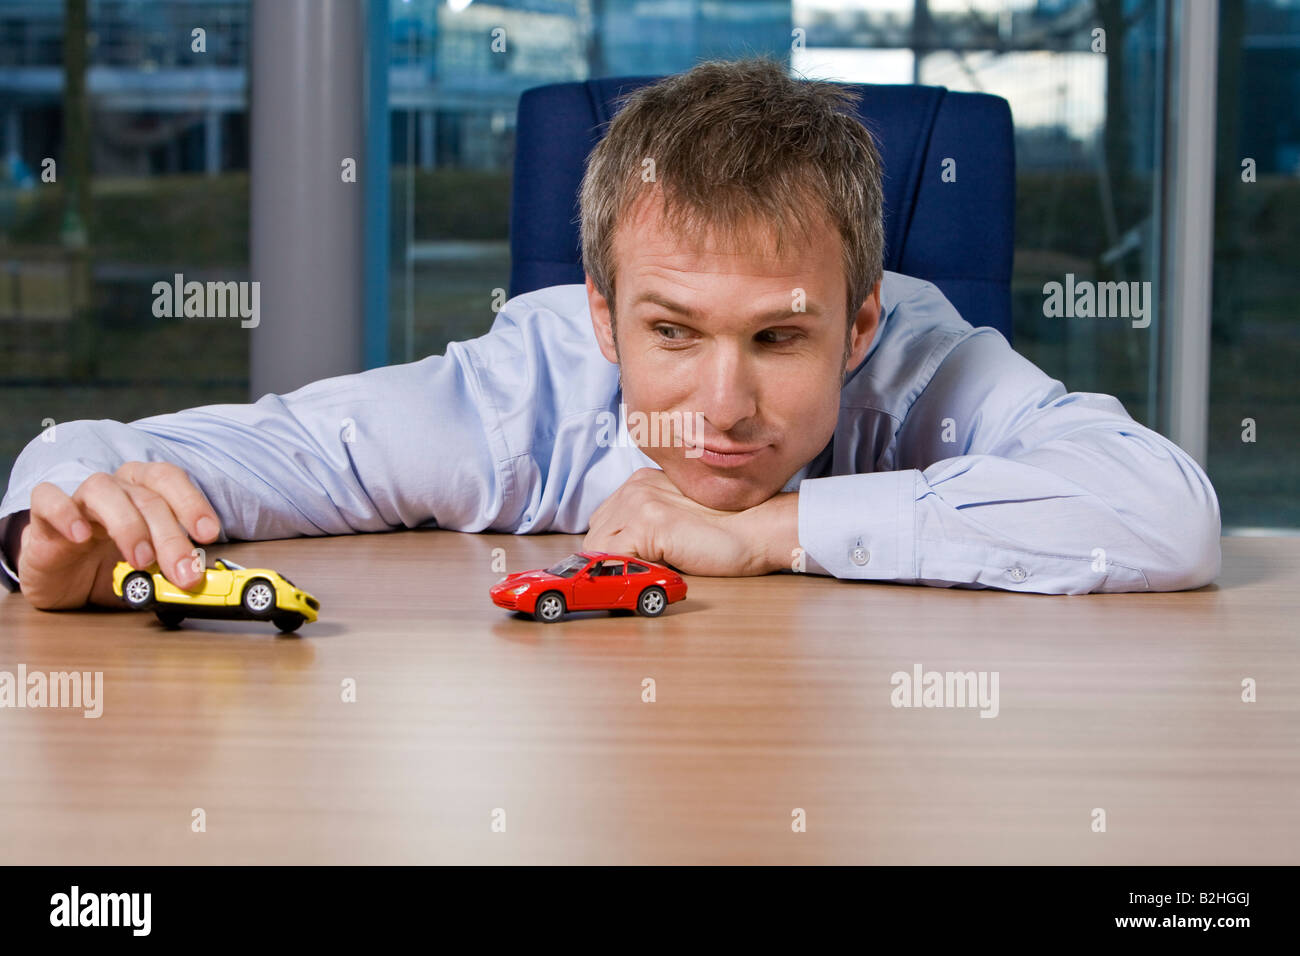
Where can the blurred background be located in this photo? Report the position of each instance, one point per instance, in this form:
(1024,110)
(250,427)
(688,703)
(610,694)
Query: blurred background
(150,140)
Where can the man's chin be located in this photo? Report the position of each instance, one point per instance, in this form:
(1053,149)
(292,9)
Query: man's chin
(720,491)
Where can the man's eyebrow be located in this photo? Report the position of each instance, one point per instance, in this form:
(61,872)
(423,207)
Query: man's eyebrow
(772,315)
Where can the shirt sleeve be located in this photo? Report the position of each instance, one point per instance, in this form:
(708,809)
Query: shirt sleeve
(1002,479)
(421,444)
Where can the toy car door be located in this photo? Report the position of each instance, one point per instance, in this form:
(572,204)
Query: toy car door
(217,583)
(601,586)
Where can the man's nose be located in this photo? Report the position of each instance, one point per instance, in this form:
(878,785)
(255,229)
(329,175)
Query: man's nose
(727,388)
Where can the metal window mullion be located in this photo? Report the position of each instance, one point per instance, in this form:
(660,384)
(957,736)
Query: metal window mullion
(376,177)
(305,228)
(1189,226)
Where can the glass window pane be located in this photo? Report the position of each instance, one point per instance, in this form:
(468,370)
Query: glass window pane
(1254,454)
(454,87)
(152,185)
(1087,141)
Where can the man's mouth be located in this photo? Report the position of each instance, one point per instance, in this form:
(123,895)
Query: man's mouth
(729,456)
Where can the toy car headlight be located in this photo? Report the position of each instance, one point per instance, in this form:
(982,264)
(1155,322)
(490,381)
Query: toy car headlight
(519,590)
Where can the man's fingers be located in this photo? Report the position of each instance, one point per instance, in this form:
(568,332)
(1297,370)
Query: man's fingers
(187,502)
(602,509)
(170,541)
(54,508)
(150,511)
(597,531)
(612,536)
(105,500)
(620,542)
(655,477)
(626,499)
(606,522)
(595,541)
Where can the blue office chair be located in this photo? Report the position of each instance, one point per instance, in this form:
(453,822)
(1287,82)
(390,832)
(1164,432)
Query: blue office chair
(957,235)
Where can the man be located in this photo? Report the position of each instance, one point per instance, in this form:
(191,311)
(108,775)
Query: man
(822,415)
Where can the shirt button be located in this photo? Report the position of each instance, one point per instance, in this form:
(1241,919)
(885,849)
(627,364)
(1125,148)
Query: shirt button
(859,556)
(1017,573)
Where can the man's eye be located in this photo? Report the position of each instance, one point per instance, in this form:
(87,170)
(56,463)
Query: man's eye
(671,332)
(778,336)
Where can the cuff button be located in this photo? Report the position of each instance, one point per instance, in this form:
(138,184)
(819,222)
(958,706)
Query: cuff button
(859,556)
(1017,573)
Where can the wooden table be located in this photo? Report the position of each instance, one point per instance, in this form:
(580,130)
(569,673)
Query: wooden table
(771,694)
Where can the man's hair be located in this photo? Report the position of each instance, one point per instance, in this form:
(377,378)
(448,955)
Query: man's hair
(738,144)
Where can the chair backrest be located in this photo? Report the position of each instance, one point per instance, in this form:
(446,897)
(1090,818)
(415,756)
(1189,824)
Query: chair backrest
(949,162)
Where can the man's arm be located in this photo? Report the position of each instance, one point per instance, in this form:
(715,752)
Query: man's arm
(1002,479)
(395,447)
(324,459)
(447,441)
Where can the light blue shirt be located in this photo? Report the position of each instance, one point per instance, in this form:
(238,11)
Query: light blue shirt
(955,461)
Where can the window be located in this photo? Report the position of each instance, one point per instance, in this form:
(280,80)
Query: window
(1254,433)
(454,87)
(569,566)
(92,215)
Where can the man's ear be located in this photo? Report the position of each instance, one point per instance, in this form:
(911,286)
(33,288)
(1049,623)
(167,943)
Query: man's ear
(601,322)
(863,331)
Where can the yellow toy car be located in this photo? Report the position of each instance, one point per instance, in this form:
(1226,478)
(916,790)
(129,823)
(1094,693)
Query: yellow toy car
(227,591)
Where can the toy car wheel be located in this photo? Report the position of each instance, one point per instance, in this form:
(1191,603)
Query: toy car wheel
(288,622)
(652,602)
(169,617)
(138,590)
(259,598)
(550,607)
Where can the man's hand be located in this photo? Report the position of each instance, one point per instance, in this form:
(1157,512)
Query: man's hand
(144,512)
(649,518)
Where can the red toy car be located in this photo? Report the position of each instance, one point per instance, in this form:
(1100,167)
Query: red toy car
(590,581)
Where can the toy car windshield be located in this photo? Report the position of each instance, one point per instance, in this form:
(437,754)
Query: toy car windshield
(232,566)
(569,566)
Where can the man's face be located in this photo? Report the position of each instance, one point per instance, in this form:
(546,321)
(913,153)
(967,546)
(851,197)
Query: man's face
(714,333)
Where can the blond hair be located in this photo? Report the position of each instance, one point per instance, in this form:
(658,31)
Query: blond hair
(732,145)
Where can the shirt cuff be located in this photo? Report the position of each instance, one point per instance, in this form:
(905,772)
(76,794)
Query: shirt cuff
(861,526)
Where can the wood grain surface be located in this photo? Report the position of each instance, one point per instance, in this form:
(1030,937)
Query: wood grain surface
(771,694)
